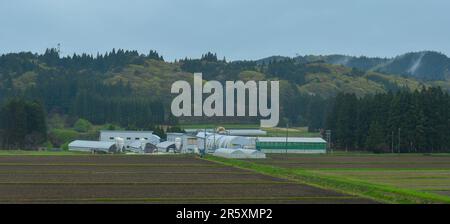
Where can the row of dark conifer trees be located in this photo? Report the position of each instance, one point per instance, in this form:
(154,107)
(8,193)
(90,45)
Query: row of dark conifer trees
(405,121)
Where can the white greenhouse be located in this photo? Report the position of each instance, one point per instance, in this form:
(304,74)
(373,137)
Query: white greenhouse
(93,146)
(253,154)
(239,153)
(229,153)
(216,141)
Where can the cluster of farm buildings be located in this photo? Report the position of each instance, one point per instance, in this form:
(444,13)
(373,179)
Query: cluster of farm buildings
(237,143)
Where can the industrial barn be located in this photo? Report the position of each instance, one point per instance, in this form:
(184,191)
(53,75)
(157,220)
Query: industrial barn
(93,146)
(128,136)
(141,146)
(188,141)
(291,145)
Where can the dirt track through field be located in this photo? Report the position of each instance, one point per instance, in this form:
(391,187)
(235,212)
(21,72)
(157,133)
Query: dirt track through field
(146,179)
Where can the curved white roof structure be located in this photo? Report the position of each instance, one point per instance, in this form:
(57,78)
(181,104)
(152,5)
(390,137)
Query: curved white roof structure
(229,153)
(92,146)
(141,146)
(165,145)
(253,154)
(239,153)
(214,141)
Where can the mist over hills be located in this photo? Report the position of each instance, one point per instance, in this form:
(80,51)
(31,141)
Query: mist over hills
(423,65)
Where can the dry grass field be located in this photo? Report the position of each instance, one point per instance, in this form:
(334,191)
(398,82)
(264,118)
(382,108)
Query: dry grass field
(422,173)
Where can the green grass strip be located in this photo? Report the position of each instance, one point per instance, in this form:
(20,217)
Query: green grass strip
(377,192)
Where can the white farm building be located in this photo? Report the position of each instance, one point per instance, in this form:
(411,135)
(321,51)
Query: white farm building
(230,146)
(216,141)
(188,141)
(129,136)
(93,146)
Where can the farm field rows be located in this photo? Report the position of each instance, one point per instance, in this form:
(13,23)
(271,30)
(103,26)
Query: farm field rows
(147,179)
(423,173)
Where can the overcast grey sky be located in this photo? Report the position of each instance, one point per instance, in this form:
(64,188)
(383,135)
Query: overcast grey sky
(237,29)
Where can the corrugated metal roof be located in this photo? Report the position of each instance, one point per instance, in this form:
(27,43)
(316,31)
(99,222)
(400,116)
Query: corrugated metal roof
(91,144)
(291,139)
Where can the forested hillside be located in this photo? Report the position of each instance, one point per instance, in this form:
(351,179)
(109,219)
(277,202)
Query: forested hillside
(132,90)
(425,65)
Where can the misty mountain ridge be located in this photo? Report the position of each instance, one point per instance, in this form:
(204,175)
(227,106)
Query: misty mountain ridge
(422,65)
(149,75)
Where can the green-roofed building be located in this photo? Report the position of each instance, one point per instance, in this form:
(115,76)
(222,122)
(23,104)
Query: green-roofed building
(291,145)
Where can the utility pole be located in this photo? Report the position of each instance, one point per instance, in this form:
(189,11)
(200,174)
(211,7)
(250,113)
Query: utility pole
(214,146)
(392,142)
(204,144)
(287,134)
(399,139)
(328,134)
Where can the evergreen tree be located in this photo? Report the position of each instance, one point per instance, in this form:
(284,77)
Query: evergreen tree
(22,124)
(376,138)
